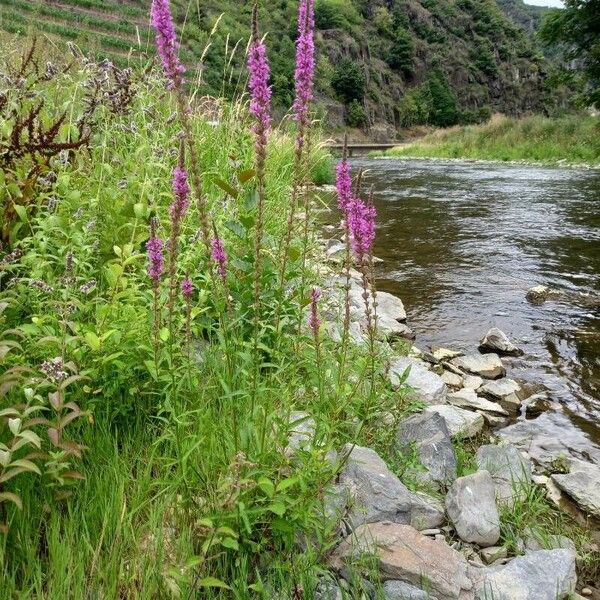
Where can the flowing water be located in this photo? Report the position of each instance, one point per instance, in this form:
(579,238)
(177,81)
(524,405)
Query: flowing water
(462,242)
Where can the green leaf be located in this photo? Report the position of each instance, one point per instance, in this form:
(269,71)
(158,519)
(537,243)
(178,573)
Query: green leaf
(164,334)
(230,543)
(251,201)
(266,485)
(246,175)
(236,228)
(213,582)
(21,211)
(286,483)
(277,508)
(14,425)
(93,341)
(226,187)
(27,465)
(9,497)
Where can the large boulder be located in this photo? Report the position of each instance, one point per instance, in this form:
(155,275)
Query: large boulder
(510,470)
(471,506)
(428,387)
(404,554)
(469,399)
(376,494)
(391,306)
(505,392)
(582,484)
(428,435)
(549,437)
(541,575)
(495,340)
(400,590)
(486,365)
(461,423)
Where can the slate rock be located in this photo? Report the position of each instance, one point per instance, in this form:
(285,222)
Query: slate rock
(376,494)
(428,434)
(505,392)
(495,340)
(582,484)
(404,554)
(461,423)
(542,575)
(445,353)
(428,387)
(452,379)
(510,470)
(400,590)
(485,365)
(469,399)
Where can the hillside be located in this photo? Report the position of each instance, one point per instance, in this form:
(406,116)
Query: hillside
(381,62)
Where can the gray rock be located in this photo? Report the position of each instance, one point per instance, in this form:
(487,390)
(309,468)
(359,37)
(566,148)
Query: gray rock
(461,423)
(445,353)
(505,392)
(328,590)
(428,434)
(493,553)
(538,294)
(389,329)
(538,540)
(301,432)
(495,340)
(543,575)
(400,590)
(452,379)
(376,494)
(551,437)
(472,382)
(485,365)
(404,554)
(582,484)
(428,387)
(469,399)
(471,506)
(510,471)
(390,305)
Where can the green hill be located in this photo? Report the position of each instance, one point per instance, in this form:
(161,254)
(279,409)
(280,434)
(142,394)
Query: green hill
(381,62)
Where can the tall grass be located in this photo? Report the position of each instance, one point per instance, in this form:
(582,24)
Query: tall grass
(574,139)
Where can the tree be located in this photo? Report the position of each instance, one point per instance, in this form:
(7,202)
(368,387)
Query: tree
(577,27)
(443,110)
(349,81)
(401,54)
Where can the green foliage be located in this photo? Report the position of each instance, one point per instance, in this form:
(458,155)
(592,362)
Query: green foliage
(335,14)
(355,114)
(401,54)
(349,81)
(414,107)
(443,109)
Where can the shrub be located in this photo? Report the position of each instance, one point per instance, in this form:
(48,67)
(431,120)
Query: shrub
(443,110)
(414,107)
(355,114)
(335,14)
(349,81)
(401,54)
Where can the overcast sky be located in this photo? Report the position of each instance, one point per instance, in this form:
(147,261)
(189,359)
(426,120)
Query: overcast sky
(545,2)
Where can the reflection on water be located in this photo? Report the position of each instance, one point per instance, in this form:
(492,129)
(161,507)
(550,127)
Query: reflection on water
(462,242)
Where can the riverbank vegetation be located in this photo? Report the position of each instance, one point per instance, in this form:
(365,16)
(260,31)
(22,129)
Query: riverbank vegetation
(570,139)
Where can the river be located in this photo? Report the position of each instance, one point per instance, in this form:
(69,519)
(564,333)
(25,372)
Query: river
(462,242)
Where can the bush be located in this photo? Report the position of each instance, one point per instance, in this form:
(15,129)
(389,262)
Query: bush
(443,110)
(355,114)
(349,81)
(335,14)
(414,108)
(401,54)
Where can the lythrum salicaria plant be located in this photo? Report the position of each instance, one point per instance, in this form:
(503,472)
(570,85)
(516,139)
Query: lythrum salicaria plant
(260,108)
(156,267)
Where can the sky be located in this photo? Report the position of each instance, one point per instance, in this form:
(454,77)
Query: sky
(556,3)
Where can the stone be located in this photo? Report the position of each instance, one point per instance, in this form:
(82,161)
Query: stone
(582,484)
(428,434)
(536,404)
(445,353)
(404,554)
(301,432)
(472,382)
(328,590)
(510,471)
(376,494)
(551,437)
(390,305)
(471,506)
(494,421)
(495,340)
(461,423)
(389,328)
(428,387)
(537,540)
(493,553)
(469,399)
(538,294)
(505,392)
(400,590)
(452,379)
(542,575)
(485,365)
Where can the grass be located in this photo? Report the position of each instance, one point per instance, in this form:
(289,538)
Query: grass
(573,139)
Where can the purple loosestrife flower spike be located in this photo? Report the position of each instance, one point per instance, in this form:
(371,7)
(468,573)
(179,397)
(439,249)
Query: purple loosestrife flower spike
(181,191)
(166,42)
(187,288)
(361,223)
(156,264)
(305,63)
(220,257)
(313,320)
(343,185)
(260,92)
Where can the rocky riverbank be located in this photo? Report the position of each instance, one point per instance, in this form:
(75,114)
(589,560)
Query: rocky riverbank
(440,530)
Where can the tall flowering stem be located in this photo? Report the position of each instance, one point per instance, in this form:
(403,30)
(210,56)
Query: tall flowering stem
(314,324)
(154,248)
(187,289)
(219,258)
(260,108)
(168,51)
(304,78)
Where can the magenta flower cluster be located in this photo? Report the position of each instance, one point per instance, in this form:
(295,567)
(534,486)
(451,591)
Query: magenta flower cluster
(305,61)
(361,224)
(260,92)
(313,320)
(219,256)
(343,185)
(156,264)
(166,42)
(187,288)
(181,191)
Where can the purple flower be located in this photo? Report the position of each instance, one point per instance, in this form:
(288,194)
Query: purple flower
(219,256)
(313,320)
(260,92)
(181,191)
(187,288)
(305,61)
(343,185)
(166,42)
(54,369)
(156,265)
(87,287)
(361,224)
